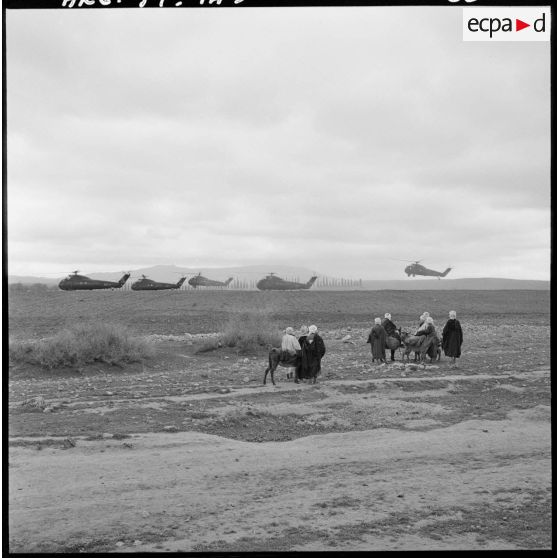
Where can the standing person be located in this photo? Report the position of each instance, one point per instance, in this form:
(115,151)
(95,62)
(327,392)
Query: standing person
(290,349)
(377,340)
(301,369)
(391,331)
(315,351)
(452,338)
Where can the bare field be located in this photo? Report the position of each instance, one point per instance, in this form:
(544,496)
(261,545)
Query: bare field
(191,452)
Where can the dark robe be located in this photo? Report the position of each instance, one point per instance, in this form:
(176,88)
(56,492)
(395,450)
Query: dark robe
(389,326)
(313,350)
(301,369)
(452,338)
(377,340)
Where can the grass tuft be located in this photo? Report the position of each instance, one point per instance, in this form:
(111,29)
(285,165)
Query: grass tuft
(250,331)
(247,332)
(82,344)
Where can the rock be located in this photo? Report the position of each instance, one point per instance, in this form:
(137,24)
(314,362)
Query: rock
(246,361)
(119,543)
(137,543)
(246,378)
(68,443)
(170,428)
(346,338)
(109,393)
(225,390)
(35,403)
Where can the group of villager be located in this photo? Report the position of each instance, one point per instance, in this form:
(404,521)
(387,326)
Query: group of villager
(384,331)
(304,354)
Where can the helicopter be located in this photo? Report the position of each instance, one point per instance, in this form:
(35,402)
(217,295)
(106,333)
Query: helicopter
(273,283)
(417,269)
(145,284)
(77,282)
(200,281)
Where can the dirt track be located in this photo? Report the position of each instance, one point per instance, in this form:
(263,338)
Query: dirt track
(191,452)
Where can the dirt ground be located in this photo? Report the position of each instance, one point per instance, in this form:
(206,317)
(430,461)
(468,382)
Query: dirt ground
(191,452)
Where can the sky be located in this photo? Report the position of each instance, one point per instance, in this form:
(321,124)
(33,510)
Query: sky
(338,139)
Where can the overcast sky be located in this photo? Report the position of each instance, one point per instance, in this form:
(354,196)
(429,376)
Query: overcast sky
(332,138)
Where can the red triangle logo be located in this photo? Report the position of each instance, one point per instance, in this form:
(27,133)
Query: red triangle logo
(519,25)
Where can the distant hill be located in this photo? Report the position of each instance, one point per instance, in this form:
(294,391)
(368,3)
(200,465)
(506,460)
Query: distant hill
(171,273)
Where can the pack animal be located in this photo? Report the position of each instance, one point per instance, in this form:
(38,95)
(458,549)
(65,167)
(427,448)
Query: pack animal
(275,359)
(415,344)
(393,343)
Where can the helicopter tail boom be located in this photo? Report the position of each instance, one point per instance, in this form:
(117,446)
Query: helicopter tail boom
(311,281)
(123,280)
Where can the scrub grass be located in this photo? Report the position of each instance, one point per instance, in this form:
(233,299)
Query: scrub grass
(80,345)
(247,332)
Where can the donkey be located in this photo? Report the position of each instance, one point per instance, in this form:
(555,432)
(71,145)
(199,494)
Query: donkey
(393,343)
(414,343)
(275,359)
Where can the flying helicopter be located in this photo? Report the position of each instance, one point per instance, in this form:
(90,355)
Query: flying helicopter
(417,269)
(145,284)
(273,283)
(200,281)
(75,282)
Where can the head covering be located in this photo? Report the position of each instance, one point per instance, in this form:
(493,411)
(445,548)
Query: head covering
(388,316)
(303,329)
(426,314)
(312,329)
(429,320)
(453,314)
(378,321)
(289,331)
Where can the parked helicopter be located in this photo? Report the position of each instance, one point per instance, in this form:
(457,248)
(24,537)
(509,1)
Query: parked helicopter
(145,284)
(77,282)
(417,269)
(200,281)
(273,283)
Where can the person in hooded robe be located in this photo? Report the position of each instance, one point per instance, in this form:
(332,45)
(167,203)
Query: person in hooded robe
(452,338)
(391,331)
(301,369)
(377,339)
(428,331)
(314,352)
(422,320)
(290,349)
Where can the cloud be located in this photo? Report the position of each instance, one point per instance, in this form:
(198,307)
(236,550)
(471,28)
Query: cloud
(335,138)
